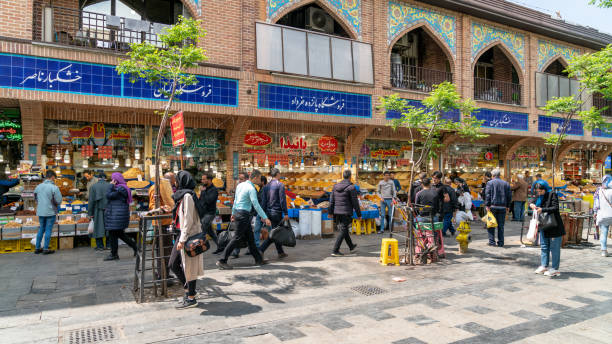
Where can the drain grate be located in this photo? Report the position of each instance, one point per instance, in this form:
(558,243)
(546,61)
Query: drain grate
(368,290)
(90,335)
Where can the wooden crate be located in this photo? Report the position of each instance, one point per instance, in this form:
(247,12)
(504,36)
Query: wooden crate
(66,243)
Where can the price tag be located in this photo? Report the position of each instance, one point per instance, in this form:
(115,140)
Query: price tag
(68,208)
(13,208)
(83,215)
(65,183)
(18,221)
(140,177)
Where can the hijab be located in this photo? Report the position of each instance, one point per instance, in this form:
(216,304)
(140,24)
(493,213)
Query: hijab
(120,182)
(185,185)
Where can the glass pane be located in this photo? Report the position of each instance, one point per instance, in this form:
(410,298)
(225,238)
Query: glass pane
(362,62)
(269,48)
(541,89)
(553,86)
(295,51)
(564,87)
(122,10)
(574,87)
(341,53)
(319,55)
(103,7)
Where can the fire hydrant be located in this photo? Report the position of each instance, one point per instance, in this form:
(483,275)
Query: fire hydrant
(464,236)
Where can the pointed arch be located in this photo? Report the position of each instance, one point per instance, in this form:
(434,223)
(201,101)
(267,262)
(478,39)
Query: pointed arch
(513,60)
(558,57)
(326,6)
(432,33)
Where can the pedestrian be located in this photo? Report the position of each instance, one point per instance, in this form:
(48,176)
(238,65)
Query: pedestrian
(528,178)
(416,186)
(603,209)
(464,202)
(486,178)
(343,201)
(547,203)
(166,204)
(187,220)
(208,205)
(242,177)
(448,202)
(539,180)
(48,198)
(398,186)
(274,203)
(426,202)
(96,205)
(519,197)
(258,223)
(91,181)
(498,200)
(117,215)
(244,202)
(386,192)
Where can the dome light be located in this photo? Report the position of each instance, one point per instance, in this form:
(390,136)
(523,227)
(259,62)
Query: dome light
(137,154)
(66,157)
(85,163)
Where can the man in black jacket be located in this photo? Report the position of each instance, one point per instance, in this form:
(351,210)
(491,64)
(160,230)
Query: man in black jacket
(342,202)
(426,201)
(207,204)
(447,202)
(274,203)
(416,186)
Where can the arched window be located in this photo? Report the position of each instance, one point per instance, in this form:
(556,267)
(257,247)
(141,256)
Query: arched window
(313,17)
(496,79)
(556,68)
(157,11)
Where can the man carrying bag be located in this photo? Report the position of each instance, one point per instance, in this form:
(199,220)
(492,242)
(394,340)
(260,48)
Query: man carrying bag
(274,204)
(342,202)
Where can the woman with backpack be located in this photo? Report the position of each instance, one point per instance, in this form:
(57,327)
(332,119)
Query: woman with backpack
(186,221)
(603,212)
(551,229)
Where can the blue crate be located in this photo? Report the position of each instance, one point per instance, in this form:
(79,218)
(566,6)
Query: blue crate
(294,213)
(477,203)
(367,214)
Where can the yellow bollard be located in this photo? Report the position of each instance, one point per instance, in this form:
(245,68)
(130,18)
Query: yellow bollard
(463,237)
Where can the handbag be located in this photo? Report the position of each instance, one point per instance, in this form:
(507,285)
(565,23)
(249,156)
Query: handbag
(532,234)
(283,234)
(228,235)
(547,221)
(196,244)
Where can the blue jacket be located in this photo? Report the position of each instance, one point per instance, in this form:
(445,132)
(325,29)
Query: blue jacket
(498,194)
(48,198)
(117,212)
(274,201)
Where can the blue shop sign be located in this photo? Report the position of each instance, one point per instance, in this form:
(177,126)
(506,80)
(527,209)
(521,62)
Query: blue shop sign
(44,74)
(608,163)
(313,101)
(606,132)
(453,115)
(498,119)
(545,125)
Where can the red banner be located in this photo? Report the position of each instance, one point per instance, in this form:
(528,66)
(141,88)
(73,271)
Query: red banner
(105,152)
(328,145)
(257,139)
(87,151)
(178,129)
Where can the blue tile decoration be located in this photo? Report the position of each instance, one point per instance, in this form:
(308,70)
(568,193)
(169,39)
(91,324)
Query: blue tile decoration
(545,123)
(498,119)
(483,35)
(52,75)
(606,132)
(350,10)
(402,16)
(548,50)
(314,101)
(454,115)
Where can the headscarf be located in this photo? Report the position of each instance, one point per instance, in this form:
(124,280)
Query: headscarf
(185,185)
(120,182)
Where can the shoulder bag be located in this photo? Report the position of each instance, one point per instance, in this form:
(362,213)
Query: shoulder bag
(547,221)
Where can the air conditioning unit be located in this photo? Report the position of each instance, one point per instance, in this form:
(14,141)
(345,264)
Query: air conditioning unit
(318,20)
(410,43)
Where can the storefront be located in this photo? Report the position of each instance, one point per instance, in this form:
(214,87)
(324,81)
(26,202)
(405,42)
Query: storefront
(377,156)
(532,159)
(11,146)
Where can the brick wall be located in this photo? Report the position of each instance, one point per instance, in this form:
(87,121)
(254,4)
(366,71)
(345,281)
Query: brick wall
(222,20)
(502,67)
(16,19)
(433,56)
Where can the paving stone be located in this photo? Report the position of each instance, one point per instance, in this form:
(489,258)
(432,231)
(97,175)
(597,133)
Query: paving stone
(581,299)
(479,309)
(511,288)
(527,315)
(555,306)
(336,324)
(603,293)
(410,340)
(421,320)
(474,328)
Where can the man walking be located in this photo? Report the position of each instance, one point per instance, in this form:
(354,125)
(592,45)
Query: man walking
(426,201)
(448,206)
(386,192)
(519,196)
(498,200)
(91,181)
(342,202)
(207,202)
(275,206)
(417,186)
(48,198)
(96,205)
(245,200)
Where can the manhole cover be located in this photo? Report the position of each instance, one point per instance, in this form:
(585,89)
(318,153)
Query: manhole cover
(90,335)
(368,290)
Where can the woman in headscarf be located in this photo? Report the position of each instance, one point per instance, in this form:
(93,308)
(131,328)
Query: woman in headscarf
(550,239)
(186,219)
(603,210)
(117,215)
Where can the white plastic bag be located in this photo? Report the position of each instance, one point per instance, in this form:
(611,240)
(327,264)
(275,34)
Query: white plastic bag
(33,241)
(532,234)
(90,227)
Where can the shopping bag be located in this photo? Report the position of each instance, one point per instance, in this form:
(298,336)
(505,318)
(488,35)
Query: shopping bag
(90,227)
(532,234)
(283,234)
(490,220)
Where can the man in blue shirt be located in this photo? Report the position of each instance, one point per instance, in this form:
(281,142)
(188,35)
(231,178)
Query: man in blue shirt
(274,204)
(498,200)
(48,198)
(245,201)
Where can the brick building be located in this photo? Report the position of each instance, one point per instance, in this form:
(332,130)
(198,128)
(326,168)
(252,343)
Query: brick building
(291,69)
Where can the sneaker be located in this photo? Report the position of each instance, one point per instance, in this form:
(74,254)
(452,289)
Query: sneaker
(354,249)
(604,253)
(38,251)
(188,303)
(224,265)
(282,255)
(48,251)
(337,254)
(111,257)
(381,232)
(541,270)
(552,273)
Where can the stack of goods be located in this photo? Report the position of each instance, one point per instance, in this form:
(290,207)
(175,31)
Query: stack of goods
(311,185)
(67,226)
(11,230)
(133,173)
(65,185)
(29,228)
(82,226)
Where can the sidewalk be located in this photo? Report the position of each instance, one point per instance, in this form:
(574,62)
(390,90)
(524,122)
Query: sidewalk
(489,295)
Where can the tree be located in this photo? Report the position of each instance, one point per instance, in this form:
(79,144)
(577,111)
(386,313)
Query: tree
(165,68)
(429,123)
(601,3)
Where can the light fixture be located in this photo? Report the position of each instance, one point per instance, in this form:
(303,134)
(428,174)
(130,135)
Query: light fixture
(389,164)
(314,162)
(302,164)
(116,162)
(256,164)
(105,161)
(431,163)
(360,166)
(85,163)
(135,163)
(66,157)
(175,169)
(58,171)
(58,155)
(1,157)
(128,162)
(290,165)
(137,154)
(331,168)
(266,163)
(7,169)
(43,161)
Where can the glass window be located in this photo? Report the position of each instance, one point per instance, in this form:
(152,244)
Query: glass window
(553,86)
(295,51)
(362,62)
(341,53)
(541,89)
(269,48)
(318,56)
(564,87)
(123,10)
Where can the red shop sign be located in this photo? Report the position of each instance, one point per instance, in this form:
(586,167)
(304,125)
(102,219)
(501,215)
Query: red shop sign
(95,130)
(328,145)
(178,129)
(256,151)
(384,153)
(298,144)
(488,156)
(257,139)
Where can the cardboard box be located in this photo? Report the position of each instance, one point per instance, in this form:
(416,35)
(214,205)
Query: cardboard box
(29,232)
(327,227)
(11,233)
(66,243)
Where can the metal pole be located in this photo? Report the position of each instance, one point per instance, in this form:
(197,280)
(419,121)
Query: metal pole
(182,161)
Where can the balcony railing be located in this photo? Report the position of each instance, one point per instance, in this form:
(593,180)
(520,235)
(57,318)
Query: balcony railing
(295,51)
(600,102)
(417,78)
(68,26)
(497,91)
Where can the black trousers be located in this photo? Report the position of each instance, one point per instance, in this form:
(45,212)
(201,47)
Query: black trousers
(114,236)
(206,222)
(244,232)
(344,227)
(275,220)
(176,265)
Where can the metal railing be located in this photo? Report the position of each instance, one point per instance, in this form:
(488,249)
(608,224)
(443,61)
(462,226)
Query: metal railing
(497,91)
(600,102)
(74,27)
(417,78)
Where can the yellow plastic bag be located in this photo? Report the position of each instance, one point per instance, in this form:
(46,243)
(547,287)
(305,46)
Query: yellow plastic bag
(490,220)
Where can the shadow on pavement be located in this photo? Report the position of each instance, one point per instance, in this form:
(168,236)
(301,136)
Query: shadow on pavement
(228,309)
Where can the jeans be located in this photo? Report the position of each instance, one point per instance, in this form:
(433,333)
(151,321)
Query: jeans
(603,236)
(99,242)
(551,247)
(206,223)
(500,217)
(176,265)
(344,223)
(275,221)
(447,223)
(244,232)
(519,211)
(385,205)
(46,225)
(257,230)
(114,237)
